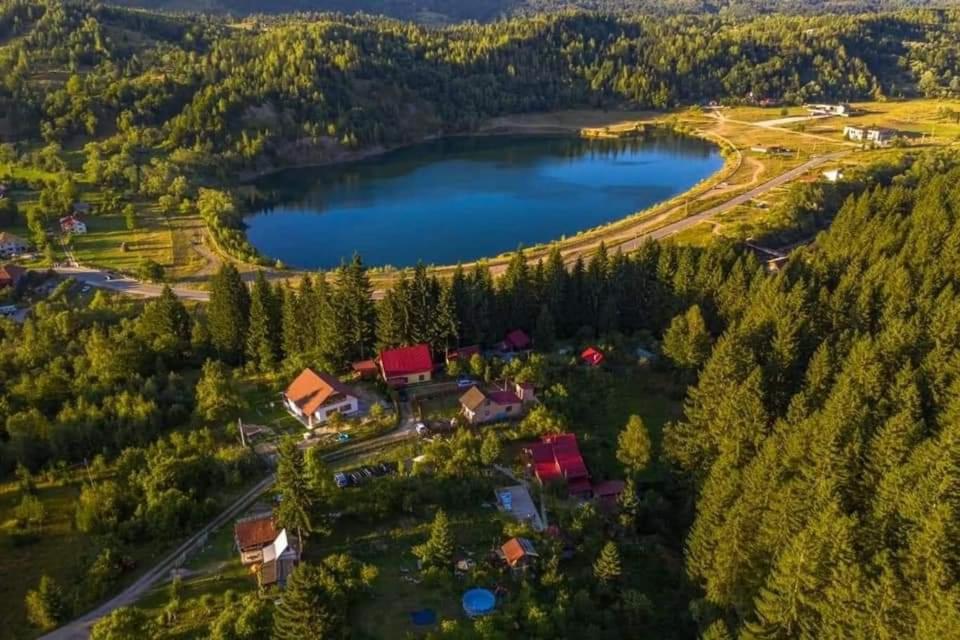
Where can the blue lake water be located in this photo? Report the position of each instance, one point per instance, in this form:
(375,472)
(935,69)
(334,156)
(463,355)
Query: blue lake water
(459,199)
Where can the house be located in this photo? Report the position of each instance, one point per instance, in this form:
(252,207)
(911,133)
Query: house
(557,458)
(607,493)
(592,357)
(526,391)
(365,369)
(833,175)
(313,397)
(279,560)
(11,245)
(516,502)
(480,406)
(463,354)
(252,535)
(842,110)
(518,553)
(878,136)
(516,340)
(73,224)
(10,275)
(406,365)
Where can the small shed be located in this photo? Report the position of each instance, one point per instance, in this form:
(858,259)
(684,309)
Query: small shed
(592,357)
(519,553)
(366,369)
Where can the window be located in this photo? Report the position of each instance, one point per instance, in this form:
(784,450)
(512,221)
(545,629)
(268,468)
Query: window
(509,408)
(421,377)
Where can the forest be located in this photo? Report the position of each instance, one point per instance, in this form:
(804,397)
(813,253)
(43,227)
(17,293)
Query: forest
(447,11)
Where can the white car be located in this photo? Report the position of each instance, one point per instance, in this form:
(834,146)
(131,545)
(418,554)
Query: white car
(422,429)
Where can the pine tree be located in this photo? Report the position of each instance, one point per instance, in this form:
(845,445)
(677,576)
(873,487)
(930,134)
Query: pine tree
(629,505)
(437,551)
(446,331)
(166,324)
(607,569)
(687,341)
(490,448)
(217,396)
(353,312)
(296,497)
(634,449)
(227,313)
(308,609)
(293,331)
(46,605)
(263,332)
(545,332)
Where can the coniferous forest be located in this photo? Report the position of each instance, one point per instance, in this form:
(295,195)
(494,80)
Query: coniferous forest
(813,474)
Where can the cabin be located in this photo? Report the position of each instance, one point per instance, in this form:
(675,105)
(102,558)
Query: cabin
(842,110)
(463,354)
(526,391)
(10,275)
(365,369)
(313,397)
(480,407)
(518,553)
(252,535)
(73,224)
(11,245)
(279,560)
(833,175)
(875,135)
(406,365)
(515,341)
(592,357)
(557,459)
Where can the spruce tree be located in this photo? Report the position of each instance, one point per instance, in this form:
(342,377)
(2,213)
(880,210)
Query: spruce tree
(263,332)
(296,496)
(308,610)
(437,551)
(545,332)
(227,313)
(634,448)
(353,312)
(46,605)
(607,569)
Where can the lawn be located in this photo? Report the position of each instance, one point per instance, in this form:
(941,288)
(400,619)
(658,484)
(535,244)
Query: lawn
(103,244)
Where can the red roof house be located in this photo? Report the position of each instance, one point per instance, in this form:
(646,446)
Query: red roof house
(516,340)
(10,275)
(557,459)
(366,369)
(463,354)
(592,357)
(406,365)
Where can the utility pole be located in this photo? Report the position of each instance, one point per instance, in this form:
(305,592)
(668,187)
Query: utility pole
(243,439)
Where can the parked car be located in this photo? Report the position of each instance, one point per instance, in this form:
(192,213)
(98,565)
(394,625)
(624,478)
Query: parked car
(356,477)
(422,429)
(464,382)
(343,437)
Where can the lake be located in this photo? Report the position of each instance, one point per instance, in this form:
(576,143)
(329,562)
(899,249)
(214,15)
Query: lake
(463,198)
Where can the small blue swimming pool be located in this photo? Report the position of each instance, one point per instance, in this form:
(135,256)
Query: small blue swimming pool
(478,602)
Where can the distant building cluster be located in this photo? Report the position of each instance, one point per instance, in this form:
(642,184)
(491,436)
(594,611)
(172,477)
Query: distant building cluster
(876,135)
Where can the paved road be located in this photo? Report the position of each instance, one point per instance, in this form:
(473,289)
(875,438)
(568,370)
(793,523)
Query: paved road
(79,629)
(684,224)
(100,279)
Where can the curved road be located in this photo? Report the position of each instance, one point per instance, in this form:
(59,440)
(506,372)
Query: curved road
(103,280)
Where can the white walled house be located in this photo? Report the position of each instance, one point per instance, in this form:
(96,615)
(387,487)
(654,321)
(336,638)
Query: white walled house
(313,397)
(11,245)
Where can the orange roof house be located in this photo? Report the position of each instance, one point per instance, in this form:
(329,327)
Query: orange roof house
(313,397)
(518,553)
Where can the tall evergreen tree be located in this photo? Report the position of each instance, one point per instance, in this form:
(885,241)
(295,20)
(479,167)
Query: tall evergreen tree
(296,497)
(227,313)
(263,333)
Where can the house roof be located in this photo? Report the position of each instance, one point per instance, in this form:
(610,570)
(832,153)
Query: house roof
(558,458)
(255,532)
(11,273)
(365,366)
(464,353)
(515,549)
(504,397)
(592,356)
(608,489)
(277,549)
(517,339)
(406,360)
(473,398)
(311,390)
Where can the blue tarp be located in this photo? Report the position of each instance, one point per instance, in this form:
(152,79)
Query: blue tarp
(423,617)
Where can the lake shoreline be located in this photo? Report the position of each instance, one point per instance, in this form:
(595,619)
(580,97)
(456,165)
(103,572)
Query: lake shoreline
(584,183)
